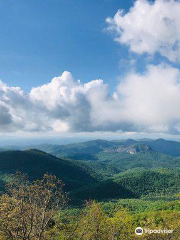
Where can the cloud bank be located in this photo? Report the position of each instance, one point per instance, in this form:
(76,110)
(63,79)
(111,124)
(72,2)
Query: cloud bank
(150,27)
(148,102)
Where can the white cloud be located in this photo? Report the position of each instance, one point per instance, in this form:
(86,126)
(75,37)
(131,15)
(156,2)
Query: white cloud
(148,102)
(150,27)
(152,99)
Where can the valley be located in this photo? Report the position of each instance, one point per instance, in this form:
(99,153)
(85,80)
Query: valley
(100,169)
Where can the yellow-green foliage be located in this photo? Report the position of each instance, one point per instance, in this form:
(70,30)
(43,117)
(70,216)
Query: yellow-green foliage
(94,223)
(35,211)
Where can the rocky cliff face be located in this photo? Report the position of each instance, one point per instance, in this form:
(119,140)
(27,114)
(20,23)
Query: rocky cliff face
(132,149)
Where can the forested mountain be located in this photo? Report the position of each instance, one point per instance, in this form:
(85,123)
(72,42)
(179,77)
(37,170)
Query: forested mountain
(151,159)
(35,163)
(150,182)
(168,147)
(88,150)
(80,181)
(100,169)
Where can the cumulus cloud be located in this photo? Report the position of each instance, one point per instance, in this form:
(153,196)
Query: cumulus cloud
(149,27)
(148,102)
(143,102)
(152,99)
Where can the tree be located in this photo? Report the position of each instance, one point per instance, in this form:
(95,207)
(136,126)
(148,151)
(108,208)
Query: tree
(27,209)
(92,222)
(95,224)
(120,225)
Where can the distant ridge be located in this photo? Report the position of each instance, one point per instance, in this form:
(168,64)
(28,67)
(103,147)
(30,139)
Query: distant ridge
(168,147)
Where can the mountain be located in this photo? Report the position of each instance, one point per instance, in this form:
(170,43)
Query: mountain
(78,151)
(150,182)
(80,181)
(104,190)
(125,142)
(89,150)
(168,147)
(2,149)
(150,159)
(35,163)
(161,145)
(132,149)
(100,169)
(89,147)
(111,157)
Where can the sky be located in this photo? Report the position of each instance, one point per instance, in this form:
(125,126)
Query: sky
(42,38)
(90,68)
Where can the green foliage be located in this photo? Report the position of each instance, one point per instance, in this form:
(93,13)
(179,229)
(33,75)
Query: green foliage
(104,179)
(97,221)
(27,209)
(105,171)
(168,147)
(125,161)
(4,179)
(150,182)
(171,148)
(89,147)
(36,163)
(104,190)
(142,205)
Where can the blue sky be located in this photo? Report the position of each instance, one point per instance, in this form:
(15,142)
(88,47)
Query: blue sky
(41,39)
(126,54)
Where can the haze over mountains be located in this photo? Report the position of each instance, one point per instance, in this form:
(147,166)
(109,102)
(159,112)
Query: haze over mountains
(168,147)
(101,169)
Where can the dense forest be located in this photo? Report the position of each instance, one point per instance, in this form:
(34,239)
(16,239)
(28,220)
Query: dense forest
(92,190)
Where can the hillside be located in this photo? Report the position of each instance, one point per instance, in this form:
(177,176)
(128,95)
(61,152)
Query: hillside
(150,182)
(102,191)
(80,180)
(124,161)
(168,147)
(132,149)
(35,163)
(99,169)
(88,150)
(83,150)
